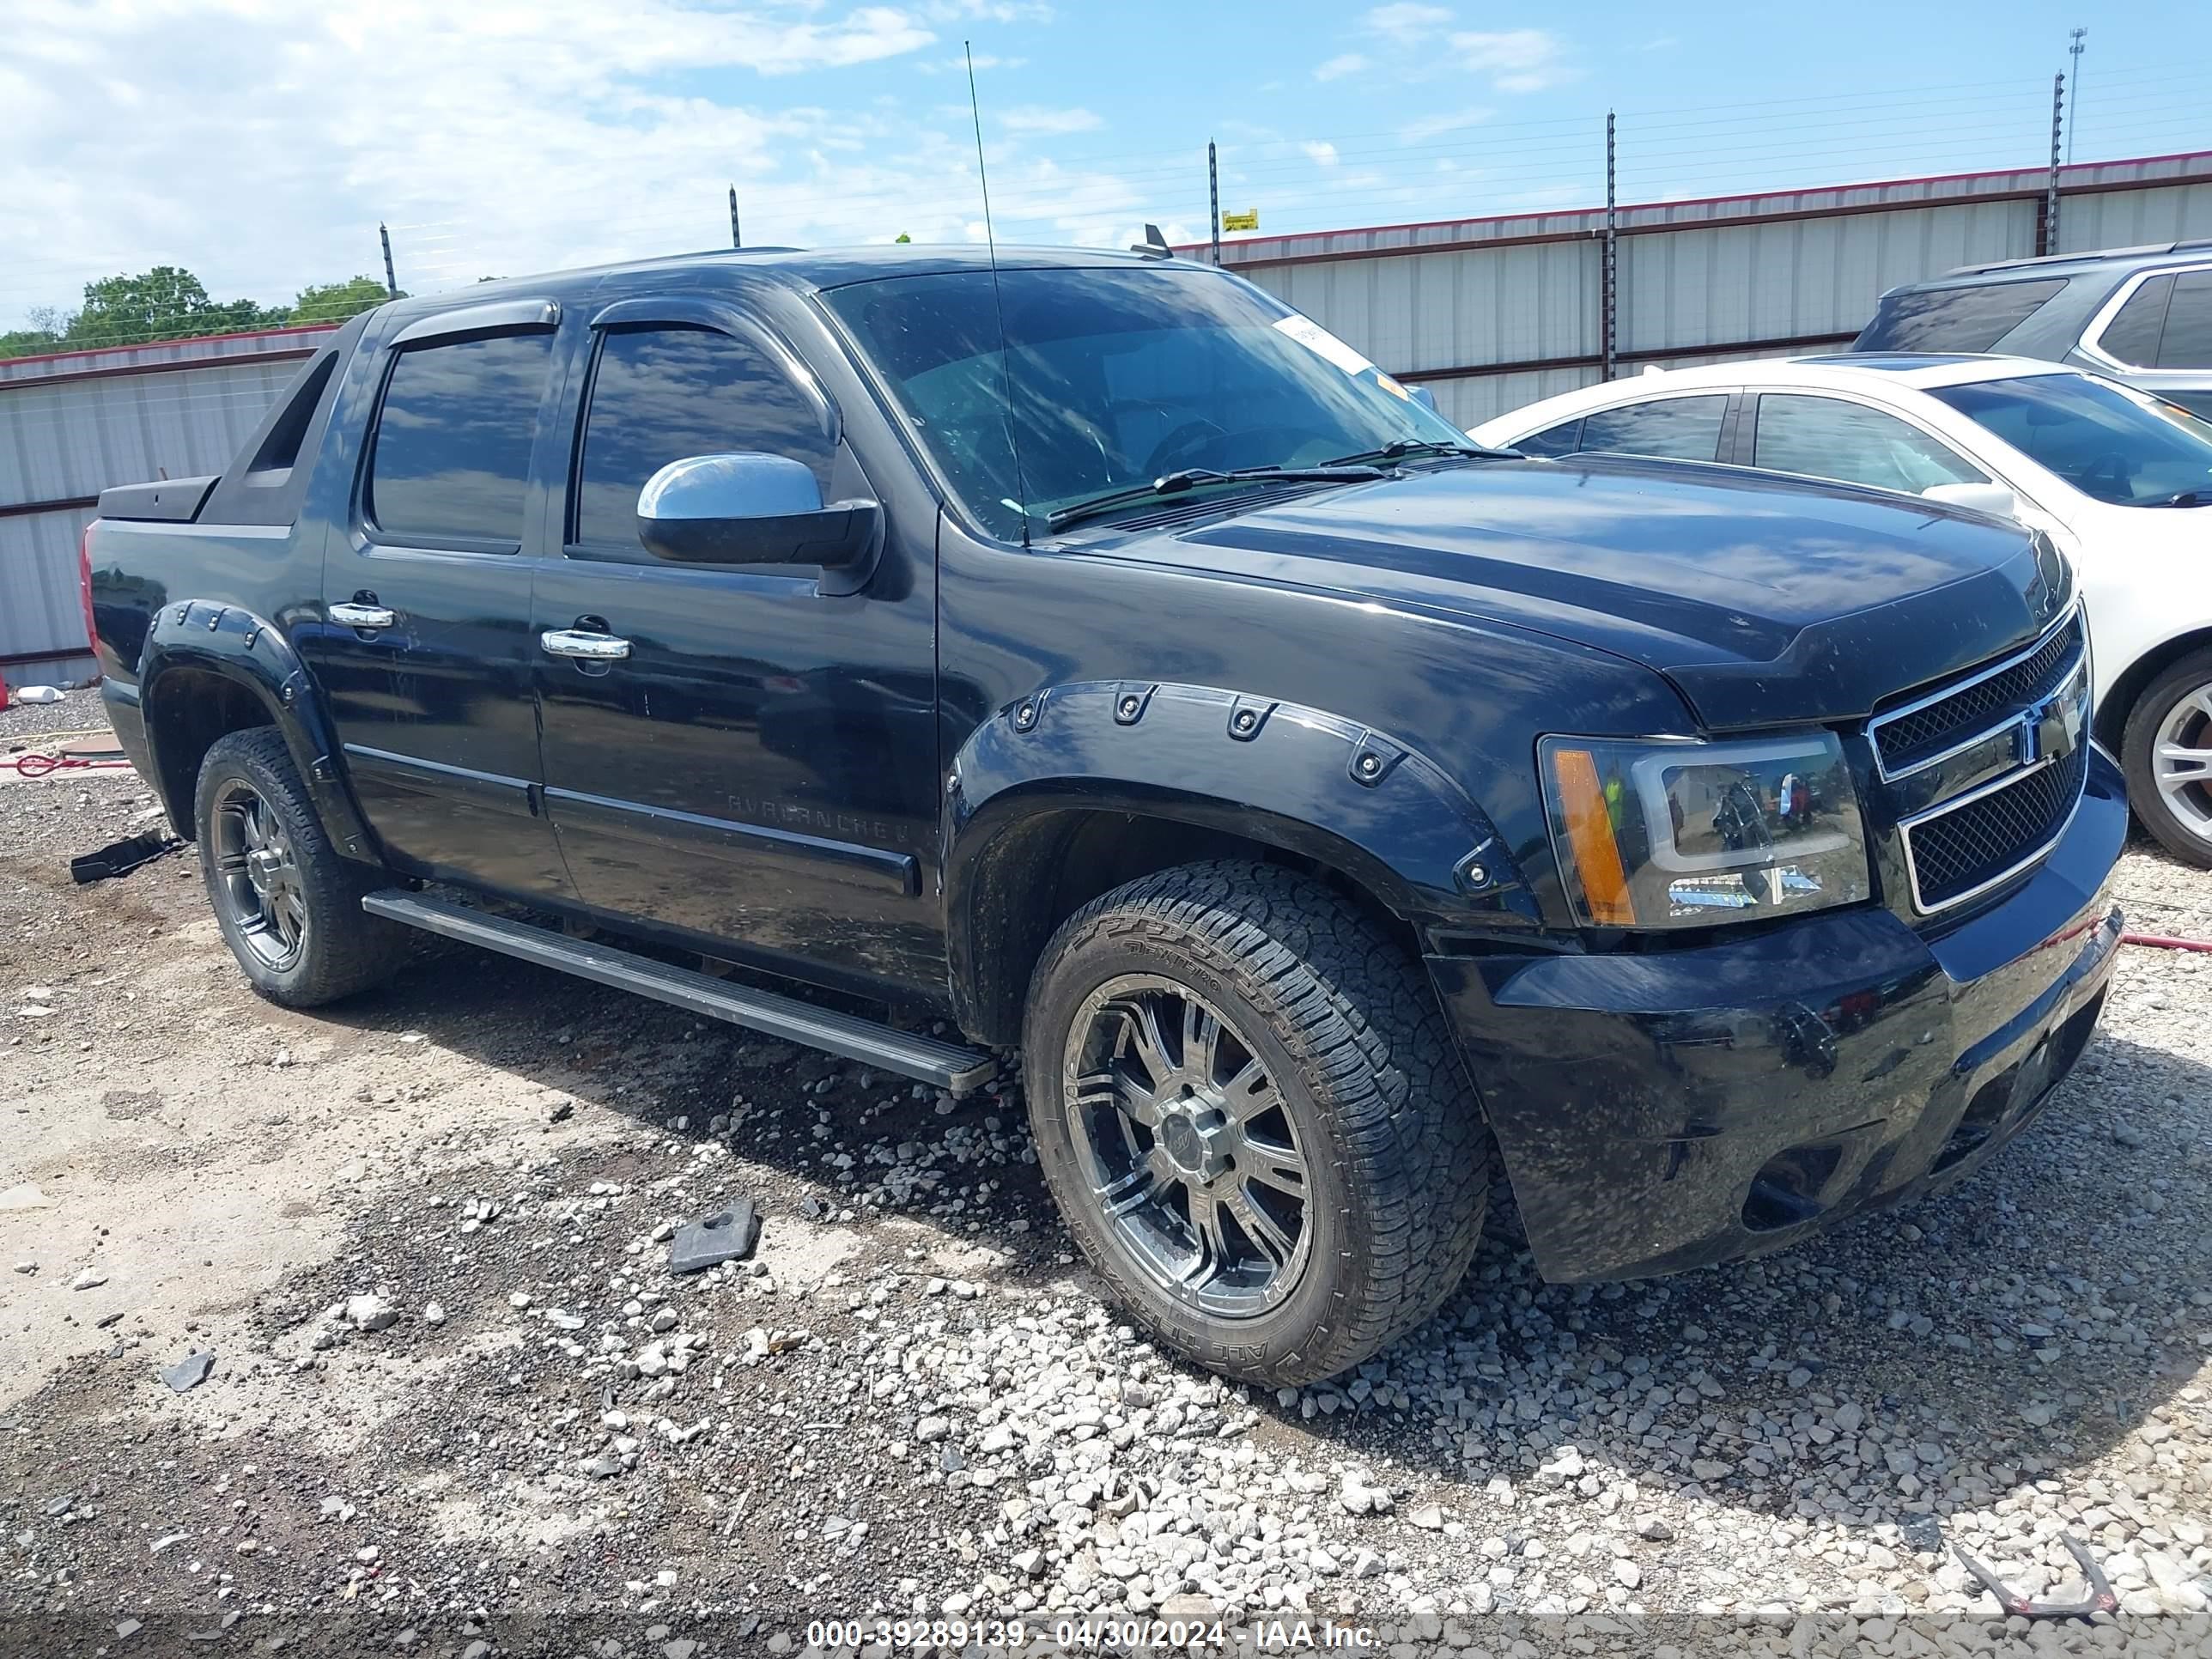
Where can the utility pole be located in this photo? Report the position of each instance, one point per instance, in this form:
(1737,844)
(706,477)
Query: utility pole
(1213,198)
(2075,52)
(390,283)
(2051,193)
(1609,269)
(736,241)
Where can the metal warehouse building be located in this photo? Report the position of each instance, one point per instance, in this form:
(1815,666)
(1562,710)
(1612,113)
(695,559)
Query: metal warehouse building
(74,422)
(1489,313)
(1493,313)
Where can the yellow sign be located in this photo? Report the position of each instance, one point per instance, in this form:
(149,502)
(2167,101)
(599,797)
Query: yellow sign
(1246,221)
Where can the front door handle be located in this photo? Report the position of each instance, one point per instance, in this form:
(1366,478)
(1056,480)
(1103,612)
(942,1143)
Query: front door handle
(584,644)
(349,614)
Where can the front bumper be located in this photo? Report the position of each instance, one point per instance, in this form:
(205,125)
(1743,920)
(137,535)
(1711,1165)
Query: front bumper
(1662,1111)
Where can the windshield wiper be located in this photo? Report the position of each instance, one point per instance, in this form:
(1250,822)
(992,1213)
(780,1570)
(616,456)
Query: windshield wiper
(1398,448)
(2186,498)
(1190,478)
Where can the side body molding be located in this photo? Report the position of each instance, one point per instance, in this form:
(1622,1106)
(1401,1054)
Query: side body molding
(190,637)
(1300,779)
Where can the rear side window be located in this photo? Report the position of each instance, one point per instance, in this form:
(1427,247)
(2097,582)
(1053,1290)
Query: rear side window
(450,458)
(2131,337)
(1673,429)
(1971,318)
(1828,438)
(666,393)
(2187,341)
(1561,440)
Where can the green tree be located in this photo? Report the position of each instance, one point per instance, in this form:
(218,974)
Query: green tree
(29,341)
(333,302)
(164,303)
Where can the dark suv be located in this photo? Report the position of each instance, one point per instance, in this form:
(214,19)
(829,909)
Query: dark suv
(2139,314)
(1096,656)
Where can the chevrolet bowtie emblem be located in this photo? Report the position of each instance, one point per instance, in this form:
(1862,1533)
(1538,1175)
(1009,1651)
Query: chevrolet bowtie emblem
(2045,732)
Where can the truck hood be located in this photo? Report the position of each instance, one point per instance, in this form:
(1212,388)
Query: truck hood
(1763,600)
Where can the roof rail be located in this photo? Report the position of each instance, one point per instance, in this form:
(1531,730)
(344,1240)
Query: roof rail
(2146,251)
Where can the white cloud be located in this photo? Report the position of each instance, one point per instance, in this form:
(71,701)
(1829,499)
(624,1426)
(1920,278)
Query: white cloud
(1035,119)
(958,65)
(1517,60)
(1435,126)
(496,138)
(1320,151)
(1350,63)
(1406,22)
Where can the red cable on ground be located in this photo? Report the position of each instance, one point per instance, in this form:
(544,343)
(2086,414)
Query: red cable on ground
(2163,942)
(37,766)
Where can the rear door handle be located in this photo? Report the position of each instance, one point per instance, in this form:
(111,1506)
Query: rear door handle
(349,614)
(584,644)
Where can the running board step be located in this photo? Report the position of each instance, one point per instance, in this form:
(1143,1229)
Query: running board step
(953,1067)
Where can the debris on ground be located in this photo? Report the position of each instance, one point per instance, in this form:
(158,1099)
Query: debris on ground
(191,1371)
(120,858)
(726,1236)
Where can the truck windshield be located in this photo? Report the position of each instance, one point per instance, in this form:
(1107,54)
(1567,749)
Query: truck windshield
(2112,443)
(1118,376)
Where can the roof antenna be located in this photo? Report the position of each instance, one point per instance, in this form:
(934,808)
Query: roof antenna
(998,301)
(1154,245)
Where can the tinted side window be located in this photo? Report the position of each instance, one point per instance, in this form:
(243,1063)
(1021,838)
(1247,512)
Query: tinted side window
(1561,440)
(1675,428)
(1971,318)
(2188,340)
(2131,337)
(1828,438)
(451,453)
(663,394)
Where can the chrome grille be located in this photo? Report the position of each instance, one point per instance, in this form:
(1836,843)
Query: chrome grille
(1979,844)
(1925,728)
(2009,743)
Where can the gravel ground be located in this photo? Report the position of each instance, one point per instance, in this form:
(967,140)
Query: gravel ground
(77,711)
(456,1393)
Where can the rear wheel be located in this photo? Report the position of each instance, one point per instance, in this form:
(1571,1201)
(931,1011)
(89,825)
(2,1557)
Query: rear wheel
(2167,752)
(1248,1109)
(289,905)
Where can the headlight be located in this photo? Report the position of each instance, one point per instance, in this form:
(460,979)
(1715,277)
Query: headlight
(1673,833)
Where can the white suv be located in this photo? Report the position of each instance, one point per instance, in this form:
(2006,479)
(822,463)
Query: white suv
(2116,475)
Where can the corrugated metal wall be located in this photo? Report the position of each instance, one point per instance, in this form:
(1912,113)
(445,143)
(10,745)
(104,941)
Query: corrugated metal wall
(1489,313)
(1493,313)
(72,425)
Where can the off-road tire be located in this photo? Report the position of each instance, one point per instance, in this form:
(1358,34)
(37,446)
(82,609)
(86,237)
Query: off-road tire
(2144,720)
(1399,1155)
(342,950)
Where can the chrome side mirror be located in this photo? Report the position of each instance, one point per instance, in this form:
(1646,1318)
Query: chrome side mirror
(1990,498)
(751,508)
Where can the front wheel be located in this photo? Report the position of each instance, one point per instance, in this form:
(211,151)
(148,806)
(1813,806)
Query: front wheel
(2167,753)
(1248,1108)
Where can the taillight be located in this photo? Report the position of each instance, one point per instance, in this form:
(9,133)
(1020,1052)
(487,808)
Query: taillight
(84,586)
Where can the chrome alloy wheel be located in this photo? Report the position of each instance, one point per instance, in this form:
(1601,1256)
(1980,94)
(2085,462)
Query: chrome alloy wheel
(1188,1149)
(2181,762)
(256,877)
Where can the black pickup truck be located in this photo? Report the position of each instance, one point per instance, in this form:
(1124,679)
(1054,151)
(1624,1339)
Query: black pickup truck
(1102,658)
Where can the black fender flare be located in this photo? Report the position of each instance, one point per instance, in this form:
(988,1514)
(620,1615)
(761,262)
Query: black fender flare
(233,644)
(1343,794)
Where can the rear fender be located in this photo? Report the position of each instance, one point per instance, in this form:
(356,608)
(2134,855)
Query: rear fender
(232,643)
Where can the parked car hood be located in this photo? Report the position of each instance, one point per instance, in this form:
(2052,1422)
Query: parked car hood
(1762,599)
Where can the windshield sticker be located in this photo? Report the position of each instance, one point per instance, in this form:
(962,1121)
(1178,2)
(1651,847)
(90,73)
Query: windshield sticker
(1316,339)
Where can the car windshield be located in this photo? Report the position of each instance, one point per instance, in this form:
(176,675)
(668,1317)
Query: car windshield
(2110,442)
(1117,376)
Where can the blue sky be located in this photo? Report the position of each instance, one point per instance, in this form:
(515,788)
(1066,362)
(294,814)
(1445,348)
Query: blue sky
(260,142)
